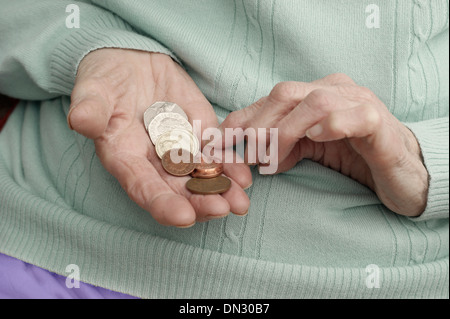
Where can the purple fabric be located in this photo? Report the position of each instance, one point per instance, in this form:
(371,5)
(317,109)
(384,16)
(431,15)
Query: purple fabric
(20,280)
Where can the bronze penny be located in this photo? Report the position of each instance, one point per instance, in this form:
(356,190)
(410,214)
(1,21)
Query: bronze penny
(208,186)
(184,167)
(207,170)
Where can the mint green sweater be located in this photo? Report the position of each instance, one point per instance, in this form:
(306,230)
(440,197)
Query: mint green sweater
(310,232)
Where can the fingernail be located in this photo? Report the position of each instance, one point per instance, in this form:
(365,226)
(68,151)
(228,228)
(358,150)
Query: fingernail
(265,160)
(68,117)
(209,217)
(248,186)
(243,214)
(314,131)
(259,169)
(186,226)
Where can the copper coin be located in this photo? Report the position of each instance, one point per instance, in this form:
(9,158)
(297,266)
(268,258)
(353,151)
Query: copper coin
(178,162)
(208,170)
(208,186)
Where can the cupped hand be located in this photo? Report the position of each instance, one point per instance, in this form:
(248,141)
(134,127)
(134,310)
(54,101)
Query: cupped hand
(347,128)
(113,89)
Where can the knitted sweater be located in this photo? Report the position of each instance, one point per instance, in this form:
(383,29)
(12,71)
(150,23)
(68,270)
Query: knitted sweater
(310,233)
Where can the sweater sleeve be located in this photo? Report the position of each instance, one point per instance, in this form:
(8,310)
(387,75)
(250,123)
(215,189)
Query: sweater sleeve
(433,138)
(42,44)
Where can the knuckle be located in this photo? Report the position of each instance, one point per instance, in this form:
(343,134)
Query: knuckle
(89,86)
(135,193)
(356,93)
(372,117)
(365,93)
(235,118)
(290,130)
(319,99)
(339,78)
(238,119)
(259,103)
(334,124)
(286,91)
(288,133)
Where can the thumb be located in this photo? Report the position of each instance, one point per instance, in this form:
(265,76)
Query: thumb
(89,112)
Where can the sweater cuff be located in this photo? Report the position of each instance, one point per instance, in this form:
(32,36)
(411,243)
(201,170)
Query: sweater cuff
(106,31)
(433,138)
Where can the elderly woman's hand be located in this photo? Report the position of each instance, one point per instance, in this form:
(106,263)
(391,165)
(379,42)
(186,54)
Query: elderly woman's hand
(347,128)
(113,89)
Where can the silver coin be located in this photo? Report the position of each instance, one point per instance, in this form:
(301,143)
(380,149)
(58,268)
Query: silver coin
(165,122)
(177,138)
(161,107)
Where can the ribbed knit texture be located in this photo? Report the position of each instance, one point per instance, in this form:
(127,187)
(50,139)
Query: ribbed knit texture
(310,232)
(435,152)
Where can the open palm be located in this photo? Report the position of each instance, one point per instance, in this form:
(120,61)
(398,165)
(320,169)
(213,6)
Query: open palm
(113,88)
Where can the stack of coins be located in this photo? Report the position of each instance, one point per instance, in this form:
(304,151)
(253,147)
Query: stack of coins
(168,126)
(208,178)
(171,133)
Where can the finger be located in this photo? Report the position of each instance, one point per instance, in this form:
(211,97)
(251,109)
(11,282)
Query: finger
(202,116)
(238,120)
(304,148)
(335,79)
(233,164)
(206,207)
(238,199)
(90,110)
(144,185)
(284,97)
(235,168)
(241,179)
(316,106)
(240,173)
(202,110)
(290,161)
(360,122)
(187,94)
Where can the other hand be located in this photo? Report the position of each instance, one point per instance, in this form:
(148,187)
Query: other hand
(343,126)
